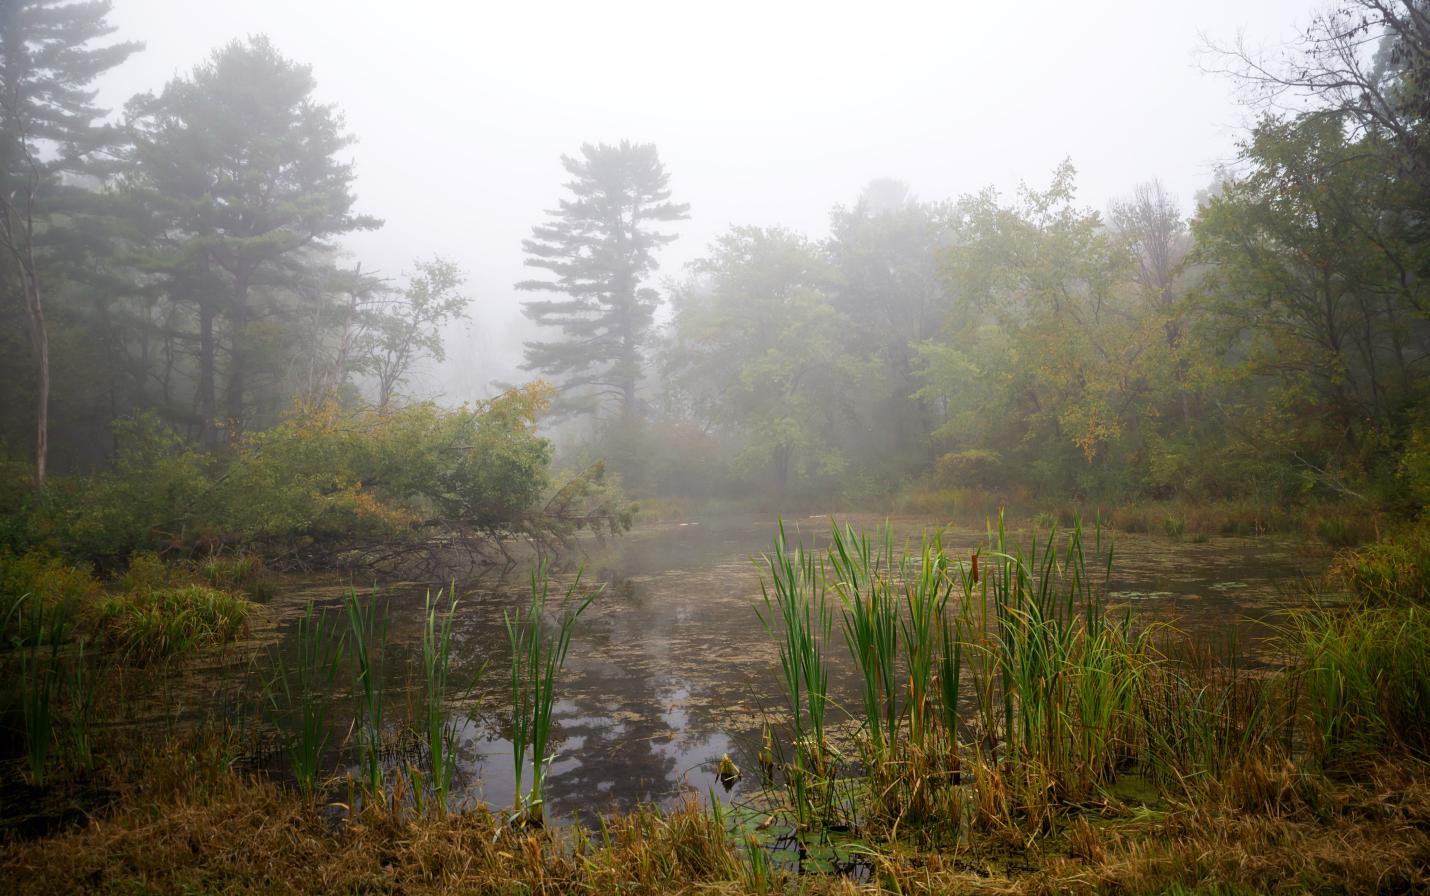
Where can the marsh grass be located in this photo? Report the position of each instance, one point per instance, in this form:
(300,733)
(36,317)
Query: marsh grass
(1203,712)
(537,658)
(204,830)
(1037,712)
(367,627)
(795,611)
(82,682)
(1018,633)
(172,621)
(1365,679)
(436,669)
(40,679)
(300,694)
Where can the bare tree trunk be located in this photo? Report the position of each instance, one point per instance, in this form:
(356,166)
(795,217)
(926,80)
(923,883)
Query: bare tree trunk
(340,364)
(236,360)
(17,229)
(40,349)
(208,398)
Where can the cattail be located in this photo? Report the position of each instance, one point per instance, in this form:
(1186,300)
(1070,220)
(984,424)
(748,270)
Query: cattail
(975,567)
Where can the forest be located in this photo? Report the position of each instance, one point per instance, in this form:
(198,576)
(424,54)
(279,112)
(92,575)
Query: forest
(254,566)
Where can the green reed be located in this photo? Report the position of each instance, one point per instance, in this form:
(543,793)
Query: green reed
(299,694)
(796,612)
(40,681)
(82,685)
(926,588)
(368,630)
(536,662)
(861,568)
(1364,674)
(1204,713)
(436,665)
(1068,682)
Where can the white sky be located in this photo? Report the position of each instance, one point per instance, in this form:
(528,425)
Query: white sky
(764,113)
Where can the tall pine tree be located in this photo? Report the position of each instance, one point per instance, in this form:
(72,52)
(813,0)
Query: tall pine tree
(237,168)
(50,132)
(598,248)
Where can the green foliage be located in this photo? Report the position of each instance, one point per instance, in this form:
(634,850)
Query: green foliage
(404,331)
(974,467)
(42,589)
(171,621)
(322,482)
(146,500)
(236,179)
(760,349)
(1365,681)
(1391,570)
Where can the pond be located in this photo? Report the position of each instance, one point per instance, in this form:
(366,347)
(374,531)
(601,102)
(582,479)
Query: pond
(670,668)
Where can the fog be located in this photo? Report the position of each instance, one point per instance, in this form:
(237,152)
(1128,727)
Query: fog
(763,113)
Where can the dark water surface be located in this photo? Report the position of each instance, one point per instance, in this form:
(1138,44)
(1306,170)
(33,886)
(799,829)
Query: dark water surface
(670,668)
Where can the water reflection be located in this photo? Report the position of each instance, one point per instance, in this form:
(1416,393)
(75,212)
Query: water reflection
(670,669)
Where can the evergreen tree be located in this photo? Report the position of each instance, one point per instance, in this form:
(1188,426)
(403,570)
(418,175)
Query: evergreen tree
(50,132)
(599,247)
(236,166)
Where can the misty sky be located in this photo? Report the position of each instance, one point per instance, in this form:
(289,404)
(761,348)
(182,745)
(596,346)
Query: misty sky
(764,113)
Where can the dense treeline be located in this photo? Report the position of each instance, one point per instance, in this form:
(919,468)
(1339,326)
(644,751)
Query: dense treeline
(1273,346)
(180,262)
(182,341)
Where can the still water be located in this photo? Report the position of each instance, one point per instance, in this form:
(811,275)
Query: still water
(670,668)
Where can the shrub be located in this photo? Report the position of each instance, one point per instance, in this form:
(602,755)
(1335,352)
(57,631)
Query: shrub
(146,572)
(975,467)
(1391,570)
(323,482)
(46,585)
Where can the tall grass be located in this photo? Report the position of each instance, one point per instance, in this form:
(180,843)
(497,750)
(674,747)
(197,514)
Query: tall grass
(368,629)
(537,658)
(797,614)
(300,694)
(436,666)
(172,621)
(861,566)
(1204,713)
(1056,687)
(1366,681)
(81,682)
(39,684)
(1058,684)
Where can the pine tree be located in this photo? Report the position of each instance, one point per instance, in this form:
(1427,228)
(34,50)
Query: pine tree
(236,166)
(599,247)
(50,131)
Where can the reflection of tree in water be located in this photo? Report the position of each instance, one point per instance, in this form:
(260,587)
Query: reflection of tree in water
(670,667)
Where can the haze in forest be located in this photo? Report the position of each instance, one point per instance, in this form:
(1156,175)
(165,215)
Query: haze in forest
(764,114)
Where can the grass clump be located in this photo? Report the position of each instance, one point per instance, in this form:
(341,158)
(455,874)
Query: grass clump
(1366,681)
(237,572)
(172,621)
(1392,569)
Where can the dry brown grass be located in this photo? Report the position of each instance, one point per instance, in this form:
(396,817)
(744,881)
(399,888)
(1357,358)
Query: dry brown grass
(1266,827)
